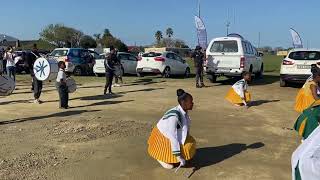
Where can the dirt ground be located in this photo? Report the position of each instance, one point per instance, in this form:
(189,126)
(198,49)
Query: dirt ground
(105,137)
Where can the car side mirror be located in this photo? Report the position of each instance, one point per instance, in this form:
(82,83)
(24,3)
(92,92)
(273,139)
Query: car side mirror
(184,61)
(261,54)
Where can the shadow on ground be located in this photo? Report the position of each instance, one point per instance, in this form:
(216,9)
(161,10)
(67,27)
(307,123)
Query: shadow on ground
(59,114)
(267,79)
(213,155)
(102,103)
(260,102)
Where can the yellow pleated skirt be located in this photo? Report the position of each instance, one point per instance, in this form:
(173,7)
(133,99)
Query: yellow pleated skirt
(303,101)
(160,147)
(234,98)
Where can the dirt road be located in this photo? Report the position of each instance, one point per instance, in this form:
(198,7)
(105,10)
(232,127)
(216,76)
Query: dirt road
(104,137)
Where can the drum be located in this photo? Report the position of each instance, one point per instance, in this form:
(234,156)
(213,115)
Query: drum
(7,85)
(45,69)
(72,86)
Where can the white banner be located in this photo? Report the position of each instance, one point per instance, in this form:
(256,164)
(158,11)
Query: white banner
(201,31)
(296,39)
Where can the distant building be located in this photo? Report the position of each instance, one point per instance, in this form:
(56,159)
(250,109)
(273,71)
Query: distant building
(282,53)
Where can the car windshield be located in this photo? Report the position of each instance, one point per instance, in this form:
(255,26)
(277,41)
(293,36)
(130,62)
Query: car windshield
(305,55)
(224,46)
(59,53)
(151,54)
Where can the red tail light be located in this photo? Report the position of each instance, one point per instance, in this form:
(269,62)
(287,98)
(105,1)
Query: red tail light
(67,59)
(286,62)
(242,62)
(159,59)
(139,58)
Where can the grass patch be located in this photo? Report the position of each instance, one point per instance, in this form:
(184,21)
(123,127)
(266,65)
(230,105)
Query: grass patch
(272,63)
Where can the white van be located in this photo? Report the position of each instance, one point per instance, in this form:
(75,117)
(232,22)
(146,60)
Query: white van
(230,56)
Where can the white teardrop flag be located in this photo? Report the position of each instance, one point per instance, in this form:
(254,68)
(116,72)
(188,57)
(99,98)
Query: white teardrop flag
(296,39)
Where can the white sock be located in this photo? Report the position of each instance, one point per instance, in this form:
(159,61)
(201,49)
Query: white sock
(166,165)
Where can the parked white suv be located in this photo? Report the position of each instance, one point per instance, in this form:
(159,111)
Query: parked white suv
(167,63)
(231,56)
(296,67)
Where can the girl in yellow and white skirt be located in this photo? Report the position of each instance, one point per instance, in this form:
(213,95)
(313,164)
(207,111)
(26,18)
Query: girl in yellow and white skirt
(308,94)
(170,141)
(238,93)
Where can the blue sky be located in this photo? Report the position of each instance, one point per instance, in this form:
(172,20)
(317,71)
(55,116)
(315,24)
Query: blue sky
(135,21)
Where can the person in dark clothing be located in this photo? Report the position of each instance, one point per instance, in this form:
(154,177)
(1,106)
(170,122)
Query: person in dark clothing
(61,84)
(37,85)
(110,62)
(198,58)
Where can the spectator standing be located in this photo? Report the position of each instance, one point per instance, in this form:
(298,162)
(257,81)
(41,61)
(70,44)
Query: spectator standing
(198,58)
(10,65)
(110,62)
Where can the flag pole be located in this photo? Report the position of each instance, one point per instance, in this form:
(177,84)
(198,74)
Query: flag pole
(199,8)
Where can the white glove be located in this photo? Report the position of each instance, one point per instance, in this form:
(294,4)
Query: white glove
(181,160)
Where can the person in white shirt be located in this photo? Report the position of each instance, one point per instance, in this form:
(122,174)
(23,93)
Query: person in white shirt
(10,66)
(61,85)
(238,93)
(170,141)
(305,161)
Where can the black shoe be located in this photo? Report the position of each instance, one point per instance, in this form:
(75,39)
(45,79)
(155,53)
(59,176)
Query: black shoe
(202,85)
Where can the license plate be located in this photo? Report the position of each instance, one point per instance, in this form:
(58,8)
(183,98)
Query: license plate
(223,70)
(147,69)
(304,66)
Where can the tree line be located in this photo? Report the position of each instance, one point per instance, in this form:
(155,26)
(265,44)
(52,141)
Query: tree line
(168,41)
(62,36)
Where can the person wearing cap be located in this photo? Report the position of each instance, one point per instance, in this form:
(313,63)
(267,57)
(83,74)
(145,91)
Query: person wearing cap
(198,58)
(110,62)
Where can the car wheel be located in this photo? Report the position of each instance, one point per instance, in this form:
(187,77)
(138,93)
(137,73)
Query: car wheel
(166,73)
(212,78)
(259,75)
(187,73)
(77,71)
(283,83)
(98,75)
(140,74)
(122,72)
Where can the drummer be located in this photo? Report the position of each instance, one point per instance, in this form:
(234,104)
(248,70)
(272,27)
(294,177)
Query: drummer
(62,86)
(31,57)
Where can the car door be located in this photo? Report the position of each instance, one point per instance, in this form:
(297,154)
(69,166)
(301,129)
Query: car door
(248,55)
(171,62)
(253,58)
(124,59)
(132,64)
(180,66)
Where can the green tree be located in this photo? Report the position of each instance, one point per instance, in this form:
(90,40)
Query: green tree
(61,35)
(97,36)
(158,36)
(169,32)
(106,33)
(88,42)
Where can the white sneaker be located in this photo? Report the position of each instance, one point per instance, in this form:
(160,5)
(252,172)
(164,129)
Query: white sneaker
(166,165)
(36,101)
